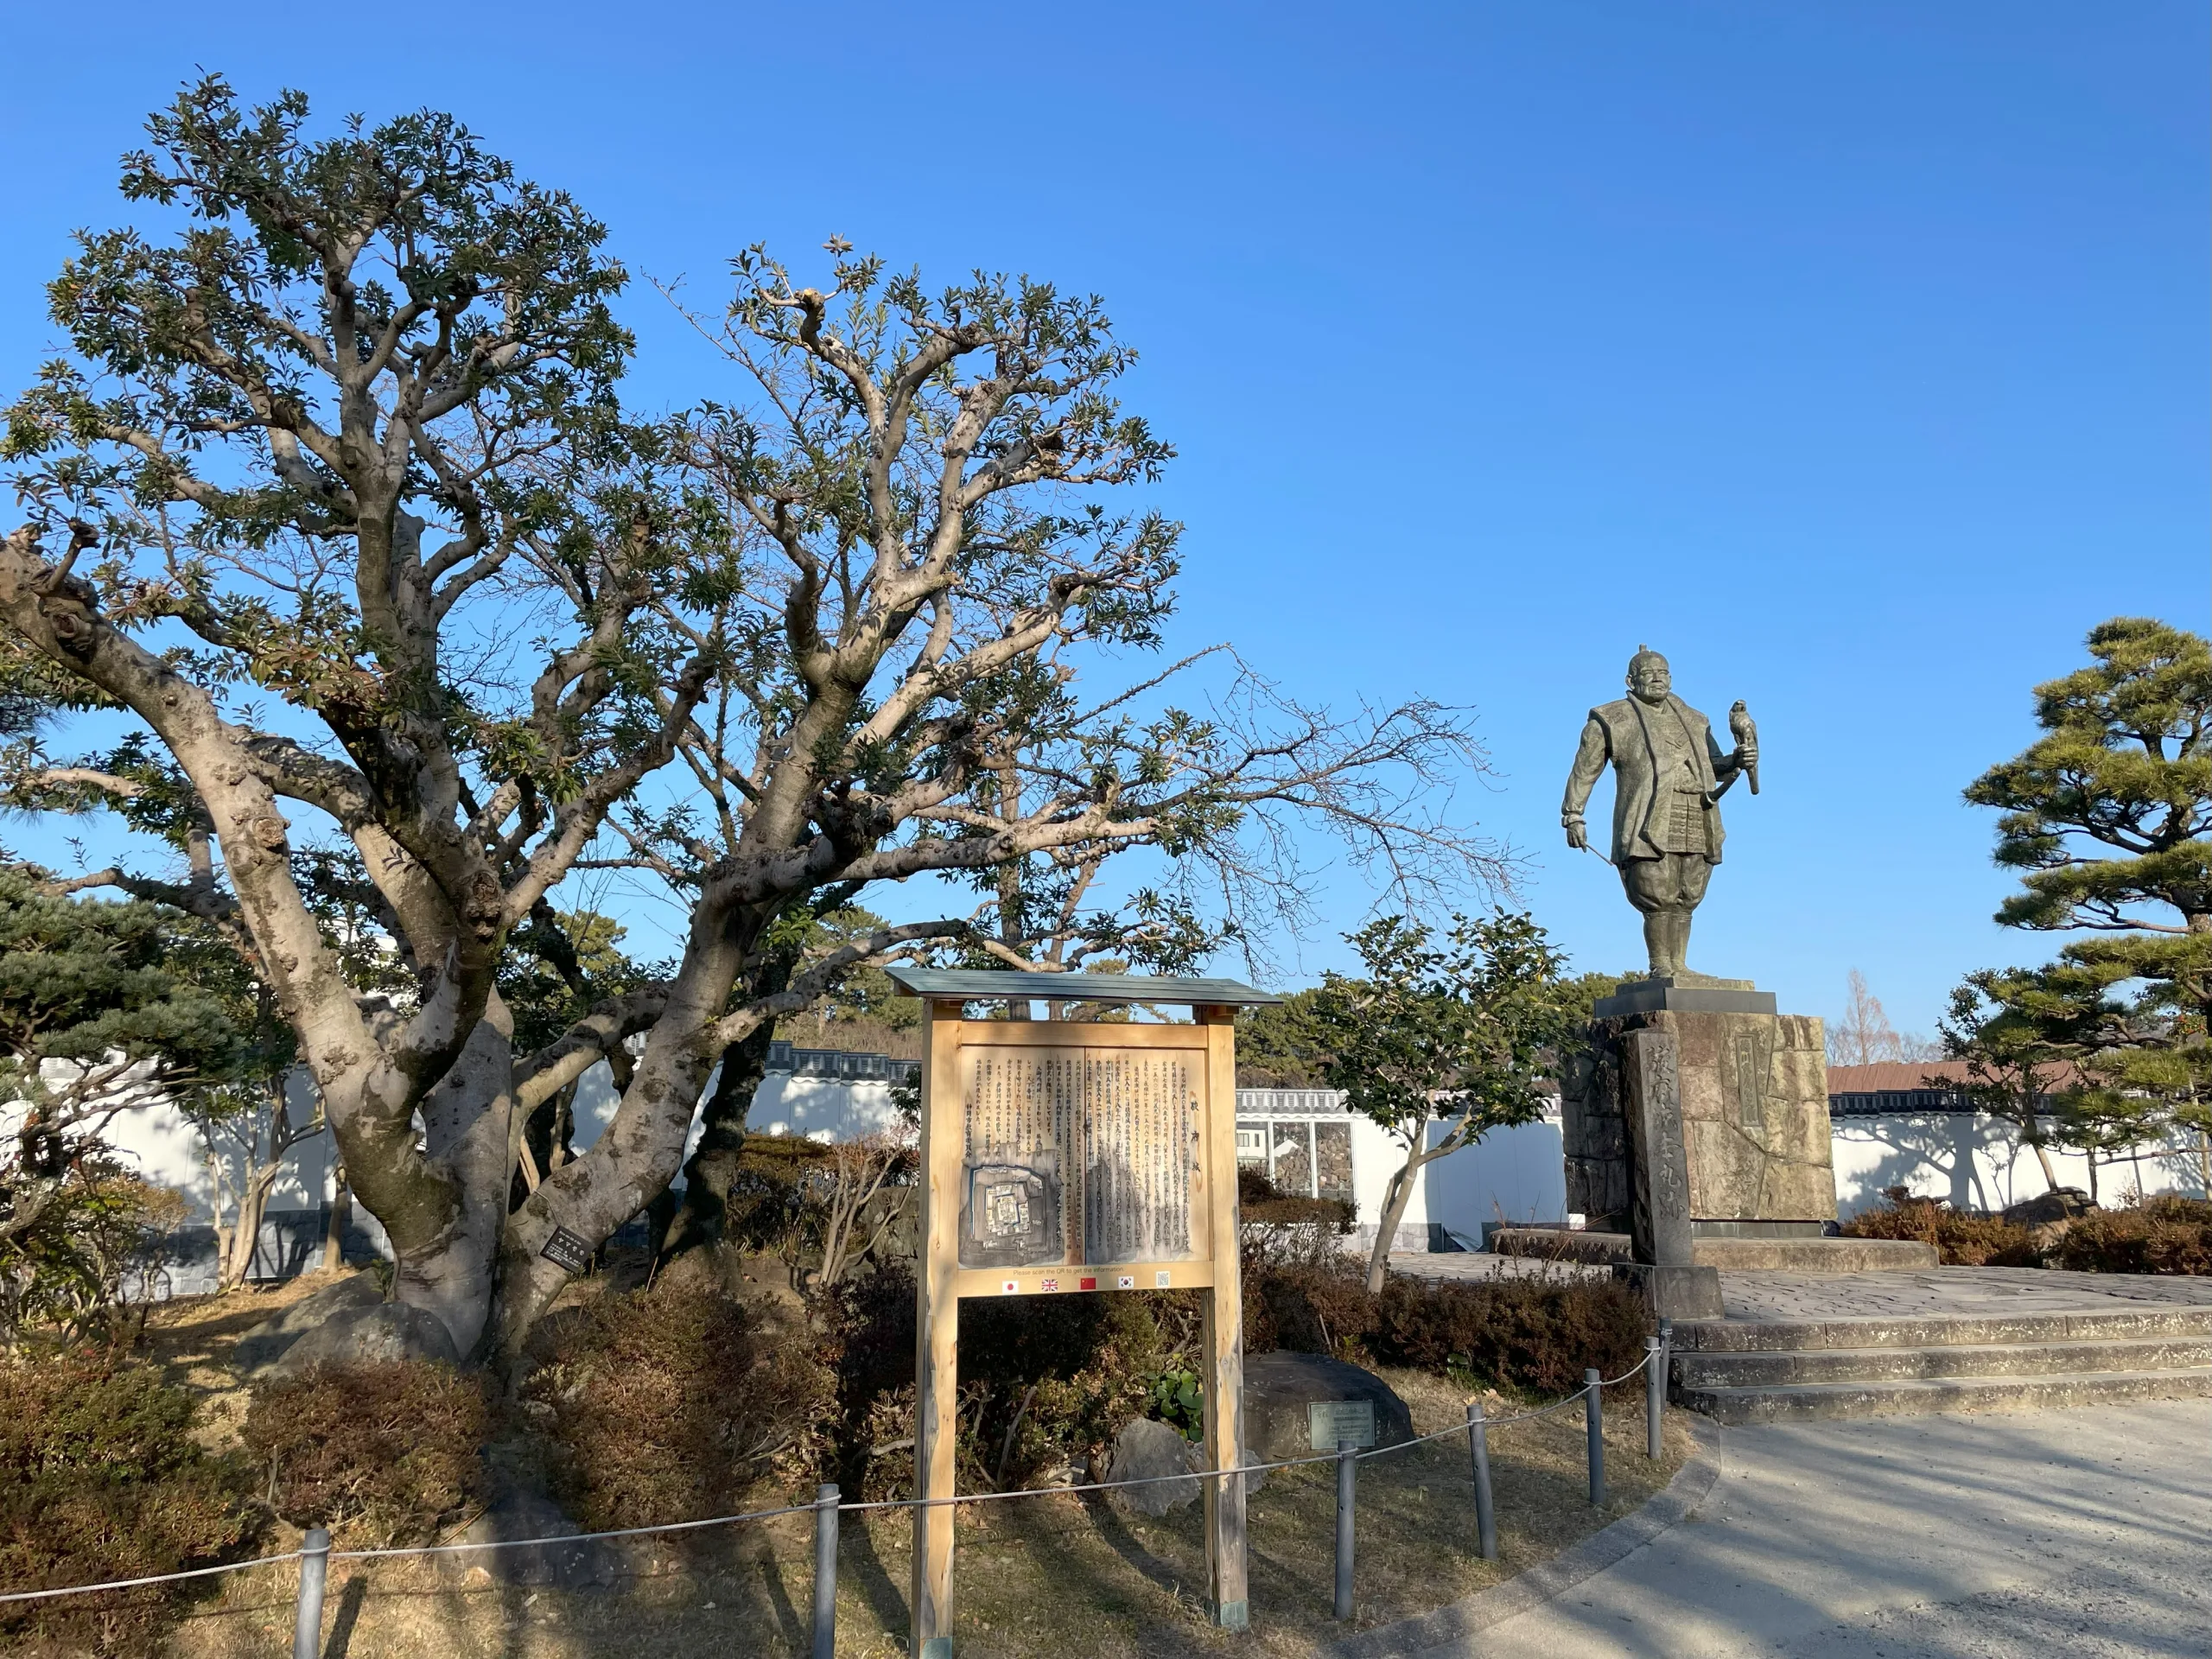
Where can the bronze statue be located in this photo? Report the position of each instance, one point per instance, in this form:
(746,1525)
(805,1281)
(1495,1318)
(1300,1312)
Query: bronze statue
(1668,776)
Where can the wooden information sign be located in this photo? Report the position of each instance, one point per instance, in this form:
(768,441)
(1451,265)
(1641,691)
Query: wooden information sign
(1066,1156)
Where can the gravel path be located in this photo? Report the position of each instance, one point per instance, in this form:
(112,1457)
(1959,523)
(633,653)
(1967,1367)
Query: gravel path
(2077,1533)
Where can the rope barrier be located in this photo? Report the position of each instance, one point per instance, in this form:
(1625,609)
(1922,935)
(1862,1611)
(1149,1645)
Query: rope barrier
(571,1537)
(155,1578)
(1456,1431)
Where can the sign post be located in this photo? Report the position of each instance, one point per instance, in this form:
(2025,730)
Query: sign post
(1072,1156)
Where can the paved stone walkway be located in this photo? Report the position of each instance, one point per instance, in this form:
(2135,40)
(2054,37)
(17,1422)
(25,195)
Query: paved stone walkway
(1958,1292)
(2073,1533)
(1955,1293)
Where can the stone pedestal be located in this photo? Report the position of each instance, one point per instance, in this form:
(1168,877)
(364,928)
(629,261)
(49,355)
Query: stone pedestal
(1698,1111)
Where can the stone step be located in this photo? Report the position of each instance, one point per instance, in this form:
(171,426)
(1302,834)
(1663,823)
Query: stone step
(1813,1255)
(1810,1400)
(1729,1255)
(1768,1369)
(1756,1336)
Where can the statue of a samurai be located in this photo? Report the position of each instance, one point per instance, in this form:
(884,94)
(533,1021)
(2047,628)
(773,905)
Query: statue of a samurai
(1668,776)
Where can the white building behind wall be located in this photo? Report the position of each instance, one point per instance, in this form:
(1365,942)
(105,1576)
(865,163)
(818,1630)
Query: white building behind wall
(1312,1146)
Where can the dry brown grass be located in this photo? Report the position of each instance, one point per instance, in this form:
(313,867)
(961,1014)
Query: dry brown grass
(191,1338)
(1054,1573)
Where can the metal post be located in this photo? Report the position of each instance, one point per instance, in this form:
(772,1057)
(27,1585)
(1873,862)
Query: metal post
(1593,1397)
(1654,1396)
(315,1571)
(825,1570)
(1479,1449)
(1347,1465)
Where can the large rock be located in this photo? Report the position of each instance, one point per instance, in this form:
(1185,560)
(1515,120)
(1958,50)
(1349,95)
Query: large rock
(270,1341)
(370,1335)
(1279,1387)
(1150,1450)
(2061,1203)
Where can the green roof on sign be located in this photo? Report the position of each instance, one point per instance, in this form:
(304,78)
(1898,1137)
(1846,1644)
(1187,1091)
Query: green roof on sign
(985,985)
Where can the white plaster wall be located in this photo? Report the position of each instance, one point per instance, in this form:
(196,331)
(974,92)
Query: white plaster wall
(784,1104)
(1978,1163)
(1376,1155)
(1517,1174)
(160,1144)
(1510,1174)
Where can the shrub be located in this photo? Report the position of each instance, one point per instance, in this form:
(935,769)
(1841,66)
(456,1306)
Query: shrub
(100,1479)
(386,1453)
(2162,1235)
(1960,1240)
(767,1190)
(95,1236)
(1049,1381)
(1315,1305)
(1534,1333)
(1043,1382)
(671,1404)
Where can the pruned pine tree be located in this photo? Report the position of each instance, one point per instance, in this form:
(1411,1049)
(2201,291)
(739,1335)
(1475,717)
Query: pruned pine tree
(2019,1036)
(2107,816)
(334,496)
(104,1008)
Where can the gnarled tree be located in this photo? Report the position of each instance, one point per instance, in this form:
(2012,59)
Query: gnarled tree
(335,498)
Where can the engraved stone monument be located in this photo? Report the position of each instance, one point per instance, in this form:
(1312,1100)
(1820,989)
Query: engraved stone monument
(1698,1111)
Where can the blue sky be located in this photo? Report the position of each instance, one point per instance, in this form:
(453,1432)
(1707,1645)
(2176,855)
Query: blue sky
(1854,355)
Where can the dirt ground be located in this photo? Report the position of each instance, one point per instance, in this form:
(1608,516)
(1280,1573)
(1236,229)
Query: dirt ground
(1056,1573)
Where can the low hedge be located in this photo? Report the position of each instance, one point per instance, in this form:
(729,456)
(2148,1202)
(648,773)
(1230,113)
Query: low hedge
(382,1454)
(2162,1235)
(672,1404)
(99,1479)
(1960,1240)
(1537,1333)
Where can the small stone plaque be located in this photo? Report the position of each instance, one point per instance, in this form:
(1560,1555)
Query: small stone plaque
(567,1251)
(1331,1422)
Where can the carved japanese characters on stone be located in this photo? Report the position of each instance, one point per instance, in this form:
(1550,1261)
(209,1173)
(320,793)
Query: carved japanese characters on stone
(1670,773)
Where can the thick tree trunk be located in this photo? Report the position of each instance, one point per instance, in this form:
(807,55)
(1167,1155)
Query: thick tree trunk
(698,1219)
(450,1267)
(246,1226)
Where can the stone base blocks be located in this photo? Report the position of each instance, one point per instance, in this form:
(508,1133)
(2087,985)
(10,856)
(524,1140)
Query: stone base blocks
(1766,1370)
(1751,1100)
(1697,1110)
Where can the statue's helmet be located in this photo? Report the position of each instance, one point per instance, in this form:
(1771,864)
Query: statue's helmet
(1644,657)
